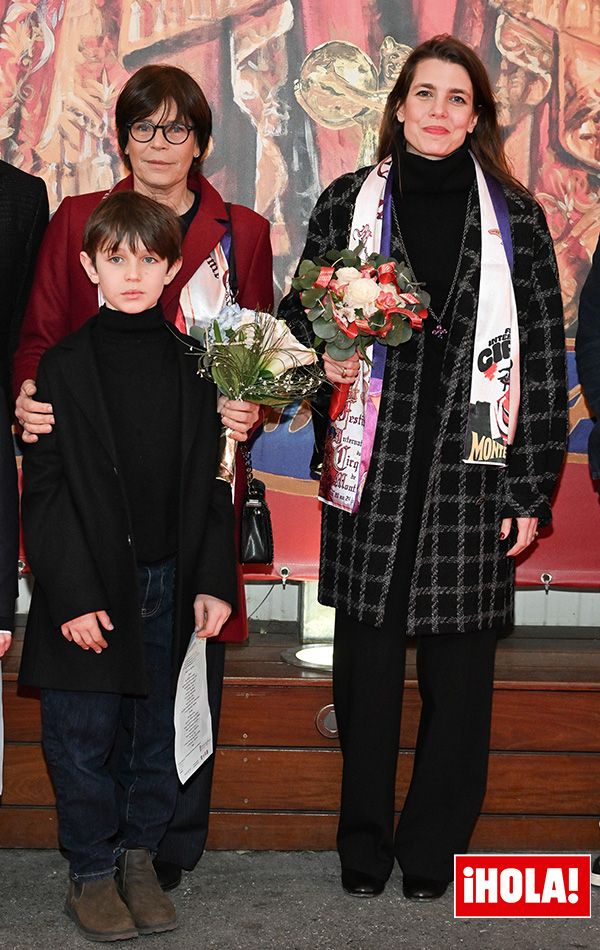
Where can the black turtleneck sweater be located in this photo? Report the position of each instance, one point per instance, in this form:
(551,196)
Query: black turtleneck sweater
(430,200)
(430,203)
(139,373)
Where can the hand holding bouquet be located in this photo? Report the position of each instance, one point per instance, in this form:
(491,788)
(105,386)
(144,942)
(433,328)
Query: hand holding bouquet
(252,356)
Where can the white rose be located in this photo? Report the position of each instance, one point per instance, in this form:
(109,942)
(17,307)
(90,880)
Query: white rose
(361,293)
(348,314)
(346,274)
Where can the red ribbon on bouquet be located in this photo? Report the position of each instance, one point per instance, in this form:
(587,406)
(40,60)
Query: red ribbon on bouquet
(338,400)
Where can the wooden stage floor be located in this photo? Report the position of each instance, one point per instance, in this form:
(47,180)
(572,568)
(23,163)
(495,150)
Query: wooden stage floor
(277,776)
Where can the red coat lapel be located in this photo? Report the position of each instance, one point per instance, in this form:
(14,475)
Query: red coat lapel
(205,232)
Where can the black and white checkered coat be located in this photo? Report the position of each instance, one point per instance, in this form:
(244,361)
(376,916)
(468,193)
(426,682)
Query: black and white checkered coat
(462,580)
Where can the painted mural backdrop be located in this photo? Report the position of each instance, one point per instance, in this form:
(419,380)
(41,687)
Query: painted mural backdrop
(297,90)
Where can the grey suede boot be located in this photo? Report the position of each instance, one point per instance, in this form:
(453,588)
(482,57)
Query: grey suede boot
(98,912)
(151,909)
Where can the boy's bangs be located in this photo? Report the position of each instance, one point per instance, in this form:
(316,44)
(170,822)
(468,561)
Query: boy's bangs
(129,219)
(129,238)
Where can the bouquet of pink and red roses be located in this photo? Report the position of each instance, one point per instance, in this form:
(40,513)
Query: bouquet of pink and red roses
(352,303)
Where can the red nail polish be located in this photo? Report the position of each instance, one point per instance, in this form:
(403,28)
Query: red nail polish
(502,535)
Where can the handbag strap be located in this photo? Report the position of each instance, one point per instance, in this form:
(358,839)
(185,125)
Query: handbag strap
(247,456)
(228,248)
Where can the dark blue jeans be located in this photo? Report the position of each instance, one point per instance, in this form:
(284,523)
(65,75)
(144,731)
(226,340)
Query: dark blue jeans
(100,816)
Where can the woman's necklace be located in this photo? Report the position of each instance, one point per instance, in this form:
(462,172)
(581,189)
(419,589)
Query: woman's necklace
(439,330)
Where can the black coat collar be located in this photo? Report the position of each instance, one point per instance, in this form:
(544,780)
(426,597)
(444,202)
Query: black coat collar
(83,381)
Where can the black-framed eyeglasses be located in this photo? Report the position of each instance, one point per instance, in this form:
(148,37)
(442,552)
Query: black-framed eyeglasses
(176,133)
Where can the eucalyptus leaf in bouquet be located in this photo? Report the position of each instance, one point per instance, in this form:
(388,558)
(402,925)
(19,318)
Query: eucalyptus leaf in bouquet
(353,302)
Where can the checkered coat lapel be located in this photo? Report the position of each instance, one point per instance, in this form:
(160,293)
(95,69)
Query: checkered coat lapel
(462,579)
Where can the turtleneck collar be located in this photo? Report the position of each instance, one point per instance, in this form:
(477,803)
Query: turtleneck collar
(116,320)
(455,172)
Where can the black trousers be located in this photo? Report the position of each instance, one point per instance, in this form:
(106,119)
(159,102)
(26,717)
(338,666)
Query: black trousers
(185,838)
(455,673)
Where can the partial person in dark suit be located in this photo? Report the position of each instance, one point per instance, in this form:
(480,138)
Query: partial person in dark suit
(9,529)
(9,545)
(23,220)
(587,350)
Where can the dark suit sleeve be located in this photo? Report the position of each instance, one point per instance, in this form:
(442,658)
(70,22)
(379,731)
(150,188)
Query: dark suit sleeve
(9,522)
(318,242)
(216,574)
(36,228)
(537,452)
(46,317)
(587,350)
(57,549)
(587,344)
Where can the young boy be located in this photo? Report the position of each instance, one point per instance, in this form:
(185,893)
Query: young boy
(130,538)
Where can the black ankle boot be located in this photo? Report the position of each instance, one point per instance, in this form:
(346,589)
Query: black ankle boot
(168,874)
(422,888)
(359,884)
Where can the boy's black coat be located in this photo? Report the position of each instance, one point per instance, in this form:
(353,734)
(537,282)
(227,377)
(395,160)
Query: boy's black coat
(78,533)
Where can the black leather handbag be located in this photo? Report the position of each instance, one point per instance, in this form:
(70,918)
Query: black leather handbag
(257,533)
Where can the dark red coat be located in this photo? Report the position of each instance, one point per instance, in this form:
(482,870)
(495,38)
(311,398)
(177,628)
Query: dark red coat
(63,298)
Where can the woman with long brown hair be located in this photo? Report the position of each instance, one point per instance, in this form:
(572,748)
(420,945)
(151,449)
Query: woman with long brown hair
(468,442)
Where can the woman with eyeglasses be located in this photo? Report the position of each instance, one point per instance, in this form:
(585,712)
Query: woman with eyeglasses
(164,126)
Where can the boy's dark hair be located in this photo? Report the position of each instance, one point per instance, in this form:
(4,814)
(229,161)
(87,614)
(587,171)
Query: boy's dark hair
(157,86)
(126,217)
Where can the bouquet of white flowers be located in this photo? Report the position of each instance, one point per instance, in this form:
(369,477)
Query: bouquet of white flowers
(252,356)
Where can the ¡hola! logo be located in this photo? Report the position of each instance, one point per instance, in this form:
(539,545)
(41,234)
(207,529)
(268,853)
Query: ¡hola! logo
(521,885)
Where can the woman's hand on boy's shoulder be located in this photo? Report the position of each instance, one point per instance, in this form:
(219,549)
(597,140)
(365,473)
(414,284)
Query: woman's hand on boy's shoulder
(210,614)
(35,417)
(86,632)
